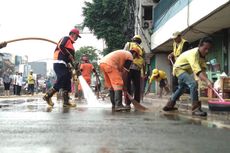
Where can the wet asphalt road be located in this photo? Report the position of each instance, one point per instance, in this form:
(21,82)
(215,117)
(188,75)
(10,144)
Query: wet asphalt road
(29,126)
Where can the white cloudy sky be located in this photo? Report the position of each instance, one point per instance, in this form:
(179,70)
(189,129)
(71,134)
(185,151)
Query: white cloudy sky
(51,19)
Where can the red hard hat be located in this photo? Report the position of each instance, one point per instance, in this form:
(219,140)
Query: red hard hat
(76,31)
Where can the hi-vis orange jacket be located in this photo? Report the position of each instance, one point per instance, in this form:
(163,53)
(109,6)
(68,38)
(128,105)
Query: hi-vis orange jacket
(117,59)
(64,45)
(86,70)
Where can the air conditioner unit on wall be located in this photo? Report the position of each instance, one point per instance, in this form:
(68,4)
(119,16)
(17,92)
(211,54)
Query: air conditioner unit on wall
(147,24)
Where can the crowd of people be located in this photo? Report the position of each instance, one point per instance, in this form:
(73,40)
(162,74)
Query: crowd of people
(16,84)
(124,72)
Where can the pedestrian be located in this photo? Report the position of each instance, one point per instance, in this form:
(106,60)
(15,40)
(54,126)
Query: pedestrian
(6,81)
(136,76)
(19,84)
(115,67)
(180,45)
(64,58)
(14,82)
(188,63)
(31,83)
(161,77)
(86,70)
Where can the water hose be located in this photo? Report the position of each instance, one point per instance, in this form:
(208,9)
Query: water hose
(31,38)
(4,43)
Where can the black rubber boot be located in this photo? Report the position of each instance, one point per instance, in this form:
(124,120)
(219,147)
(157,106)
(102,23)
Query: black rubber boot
(118,101)
(127,103)
(66,98)
(196,109)
(48,96)
(170,106)
(112,96)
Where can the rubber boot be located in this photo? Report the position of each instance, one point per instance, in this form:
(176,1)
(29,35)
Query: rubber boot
(66,98)
(196,109)
(118,101)
(48,96)
(111,95)
(127,107)
(127,102)
(170,106)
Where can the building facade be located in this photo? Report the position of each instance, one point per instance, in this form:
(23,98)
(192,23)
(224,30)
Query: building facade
(194,19)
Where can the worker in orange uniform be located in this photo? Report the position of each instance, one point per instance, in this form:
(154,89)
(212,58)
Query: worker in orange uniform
(115,67)
(159,76)
(63,60)
(86,69)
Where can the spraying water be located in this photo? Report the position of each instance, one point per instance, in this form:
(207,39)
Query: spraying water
(88,93)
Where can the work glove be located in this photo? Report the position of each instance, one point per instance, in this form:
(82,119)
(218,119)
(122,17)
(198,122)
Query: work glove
(71,58)
(78,72)
(77,68)
(73,65)
(3,44)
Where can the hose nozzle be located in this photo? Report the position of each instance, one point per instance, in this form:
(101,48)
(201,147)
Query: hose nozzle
(3,44)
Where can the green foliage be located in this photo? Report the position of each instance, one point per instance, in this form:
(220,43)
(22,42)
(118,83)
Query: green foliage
(88,50)
(109,20)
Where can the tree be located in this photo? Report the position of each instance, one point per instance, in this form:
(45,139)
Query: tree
(87,50)
(112,21)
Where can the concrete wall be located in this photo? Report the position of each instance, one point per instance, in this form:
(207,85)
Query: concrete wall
(144,33)
(196,10)
(163,64)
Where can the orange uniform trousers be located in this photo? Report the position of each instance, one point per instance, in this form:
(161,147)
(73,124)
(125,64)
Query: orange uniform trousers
(112,76)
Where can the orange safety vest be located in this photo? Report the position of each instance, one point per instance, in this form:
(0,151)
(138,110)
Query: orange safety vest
(86,70)
(61,53)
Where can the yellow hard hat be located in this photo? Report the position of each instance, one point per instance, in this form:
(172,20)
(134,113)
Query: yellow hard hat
(136,49)
(137,37)
(155,72)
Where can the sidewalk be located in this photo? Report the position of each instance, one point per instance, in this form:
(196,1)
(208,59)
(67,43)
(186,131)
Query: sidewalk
(214,118)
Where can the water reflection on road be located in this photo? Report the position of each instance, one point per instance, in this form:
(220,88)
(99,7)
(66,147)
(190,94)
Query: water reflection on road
(31,126)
